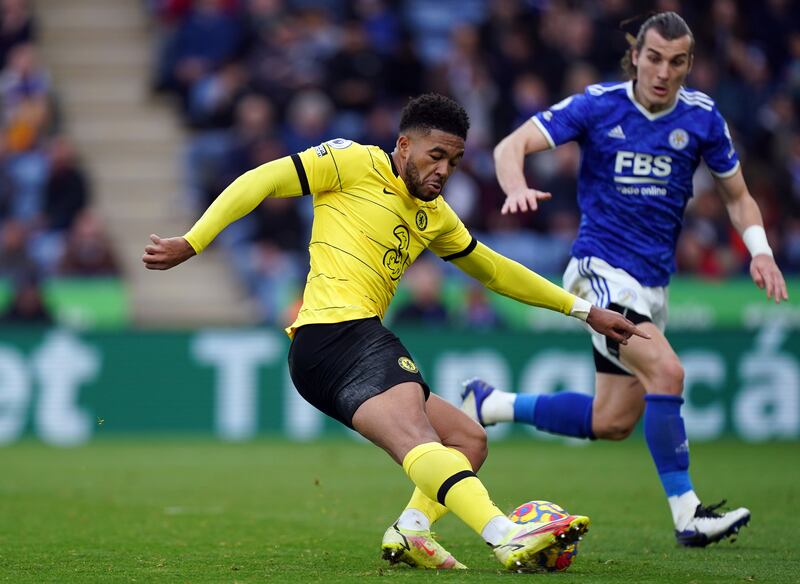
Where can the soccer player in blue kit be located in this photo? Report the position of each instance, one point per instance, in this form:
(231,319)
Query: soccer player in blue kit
(641,142)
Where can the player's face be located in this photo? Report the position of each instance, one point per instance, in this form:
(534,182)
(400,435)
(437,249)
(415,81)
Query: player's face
(661,69)
(429,160)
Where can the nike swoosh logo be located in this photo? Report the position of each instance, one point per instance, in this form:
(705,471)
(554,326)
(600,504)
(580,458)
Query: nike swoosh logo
(389,192)
(428,551)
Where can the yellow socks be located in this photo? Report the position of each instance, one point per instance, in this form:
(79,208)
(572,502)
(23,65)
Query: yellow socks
(444,475)
(431,510)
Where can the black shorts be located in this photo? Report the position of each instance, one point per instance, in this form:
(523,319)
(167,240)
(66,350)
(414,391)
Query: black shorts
(337,367)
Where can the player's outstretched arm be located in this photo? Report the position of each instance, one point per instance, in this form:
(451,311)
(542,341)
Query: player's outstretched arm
(274,179)
(166,253)
(509,278)
(509,162)
(746,217)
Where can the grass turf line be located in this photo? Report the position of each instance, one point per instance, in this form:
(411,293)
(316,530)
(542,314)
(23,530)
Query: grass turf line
(199,511)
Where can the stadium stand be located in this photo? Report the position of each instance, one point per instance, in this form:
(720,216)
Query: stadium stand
(169,100)
(99,54)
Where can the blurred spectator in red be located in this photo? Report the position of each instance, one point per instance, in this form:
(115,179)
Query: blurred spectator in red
(705,247)
(173,11)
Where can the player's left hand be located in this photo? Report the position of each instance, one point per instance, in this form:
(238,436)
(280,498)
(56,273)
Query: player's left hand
(613,325)
(767,274)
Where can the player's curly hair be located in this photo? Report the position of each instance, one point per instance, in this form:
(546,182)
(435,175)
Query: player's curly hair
(432,111)
(669,25)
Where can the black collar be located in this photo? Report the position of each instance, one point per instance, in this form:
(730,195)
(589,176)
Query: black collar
(391,161)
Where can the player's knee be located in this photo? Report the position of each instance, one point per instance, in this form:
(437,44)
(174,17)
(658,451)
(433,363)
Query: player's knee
(474,445)
(613,429)
(668,376)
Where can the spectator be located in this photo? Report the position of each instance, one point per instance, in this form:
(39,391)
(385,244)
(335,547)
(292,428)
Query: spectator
(207,37)
(15,260)
(66,189)
(16,26)
(27,305)
(425,306)
(87,252)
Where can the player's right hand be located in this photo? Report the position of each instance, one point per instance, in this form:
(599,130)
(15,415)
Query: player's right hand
(163,254)
(767,274)
(523,200)
(613,325)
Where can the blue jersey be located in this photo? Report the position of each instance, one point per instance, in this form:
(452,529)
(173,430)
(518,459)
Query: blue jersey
(636,171)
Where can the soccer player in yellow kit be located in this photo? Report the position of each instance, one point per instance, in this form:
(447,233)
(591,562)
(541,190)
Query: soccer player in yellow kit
(374,213)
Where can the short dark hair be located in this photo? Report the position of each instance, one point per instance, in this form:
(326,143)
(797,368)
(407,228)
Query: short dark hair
(432,111)
(669,25)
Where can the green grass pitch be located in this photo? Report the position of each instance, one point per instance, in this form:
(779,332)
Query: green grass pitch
(183,510)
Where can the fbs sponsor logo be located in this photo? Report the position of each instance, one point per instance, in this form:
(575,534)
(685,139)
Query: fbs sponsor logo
(643,166)
(407,364)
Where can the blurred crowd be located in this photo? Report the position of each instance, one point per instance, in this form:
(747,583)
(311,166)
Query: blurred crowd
(258,79)
(47,225)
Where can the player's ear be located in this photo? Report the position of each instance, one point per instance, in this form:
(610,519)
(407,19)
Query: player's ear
(403,144)
(691,62)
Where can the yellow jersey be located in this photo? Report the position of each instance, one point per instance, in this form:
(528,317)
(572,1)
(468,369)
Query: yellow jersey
(367,230)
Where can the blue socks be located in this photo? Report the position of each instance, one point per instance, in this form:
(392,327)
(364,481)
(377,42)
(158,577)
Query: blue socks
(565,413)
(665,434)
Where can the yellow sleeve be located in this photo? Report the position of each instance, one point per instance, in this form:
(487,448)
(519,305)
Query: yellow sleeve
(454,240)
(509,278)
(278,178)
(334,165)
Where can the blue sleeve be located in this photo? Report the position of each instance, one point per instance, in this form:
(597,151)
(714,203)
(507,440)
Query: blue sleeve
(565,121)
(718,150)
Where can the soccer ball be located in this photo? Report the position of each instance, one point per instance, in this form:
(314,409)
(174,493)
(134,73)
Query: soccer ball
(553,559)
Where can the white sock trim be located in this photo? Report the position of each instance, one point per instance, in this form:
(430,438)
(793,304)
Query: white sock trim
(683,508)
(498,407)
(497,529)
(414,519)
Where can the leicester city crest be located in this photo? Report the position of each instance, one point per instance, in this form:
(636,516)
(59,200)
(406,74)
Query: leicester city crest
(678,139)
